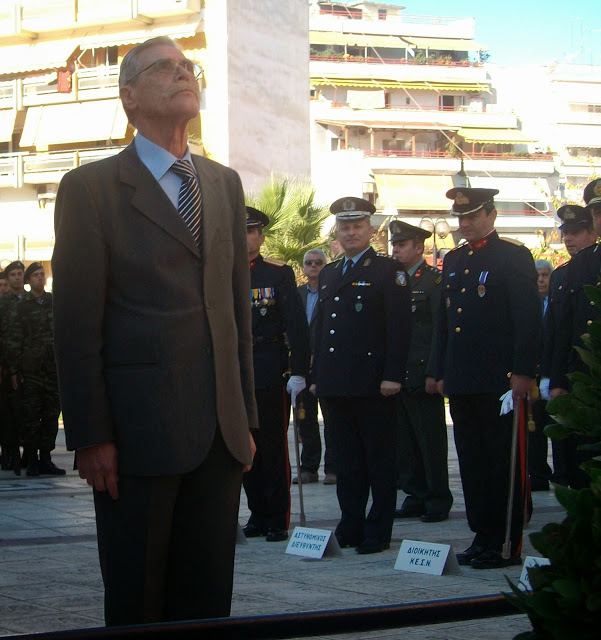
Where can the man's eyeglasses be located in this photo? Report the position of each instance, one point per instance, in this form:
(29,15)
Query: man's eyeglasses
(317,262)
(171,66)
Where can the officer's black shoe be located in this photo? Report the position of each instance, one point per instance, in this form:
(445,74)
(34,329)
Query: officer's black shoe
(253,531)
(33,468)
(343,542)
(494,560)
(410,512)
(465,558)
(48,467)
(372,546)
(434,517)
(276,535)
(4,459)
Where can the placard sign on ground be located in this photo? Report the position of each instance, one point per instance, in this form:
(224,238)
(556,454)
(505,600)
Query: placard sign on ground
(530,561)
(313,543)
(426,557)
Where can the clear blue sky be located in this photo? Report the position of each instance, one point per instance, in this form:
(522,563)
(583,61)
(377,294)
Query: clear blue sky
(526,31)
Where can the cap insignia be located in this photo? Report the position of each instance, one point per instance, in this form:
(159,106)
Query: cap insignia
(597,188)
(348,205)
(461,198)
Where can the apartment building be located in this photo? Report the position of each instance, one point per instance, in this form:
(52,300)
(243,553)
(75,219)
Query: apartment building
(59,106)
(403,109)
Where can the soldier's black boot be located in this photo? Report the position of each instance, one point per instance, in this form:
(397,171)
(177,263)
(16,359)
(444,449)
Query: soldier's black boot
(48,467)
(32,467)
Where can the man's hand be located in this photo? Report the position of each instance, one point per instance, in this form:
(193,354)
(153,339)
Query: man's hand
(294,386)
(98,466)
(253,450)
(520,385)
(440,386)
(388,388)
(313,389)
(431,386)
(558,391)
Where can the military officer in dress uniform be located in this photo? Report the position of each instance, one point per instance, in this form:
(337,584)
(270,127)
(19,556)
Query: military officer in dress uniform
(578,234)
(280,345)
(423,447)
(489,343)
(362,340)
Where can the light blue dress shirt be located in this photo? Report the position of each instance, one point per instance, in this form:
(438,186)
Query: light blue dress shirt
(158,161)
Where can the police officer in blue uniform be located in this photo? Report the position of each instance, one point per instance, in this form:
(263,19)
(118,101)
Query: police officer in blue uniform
(578,234)
(489,343)
(578,312)
(280,345)
(361,345)
(423,446)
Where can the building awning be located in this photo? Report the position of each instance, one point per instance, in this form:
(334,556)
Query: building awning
(74,122)
(371,83)
(494,136)
(7,124)
(385,124)
(39,56)
(106,38)
(580,136)
(355,39)
(414,192)
(515,189)
(444,44)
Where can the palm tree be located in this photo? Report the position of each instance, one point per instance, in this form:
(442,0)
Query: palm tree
(295,219)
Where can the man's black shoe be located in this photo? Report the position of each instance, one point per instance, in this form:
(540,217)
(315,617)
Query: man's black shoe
(33,468)
(435,517)
(494,560)
(372,546)
(47,467)
(276,535)
(465,558)
(252,531)
(409,512)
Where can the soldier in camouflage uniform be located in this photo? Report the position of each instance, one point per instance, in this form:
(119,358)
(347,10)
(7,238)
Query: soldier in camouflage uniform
(30,356)
(10,400)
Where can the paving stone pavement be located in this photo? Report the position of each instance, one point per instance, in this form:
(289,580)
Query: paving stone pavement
(50,579)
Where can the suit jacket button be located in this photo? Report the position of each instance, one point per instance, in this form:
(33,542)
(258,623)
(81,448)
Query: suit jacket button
(457,329)
(332,332)
(336,299)
(331,349)
(459,310)
(333,315)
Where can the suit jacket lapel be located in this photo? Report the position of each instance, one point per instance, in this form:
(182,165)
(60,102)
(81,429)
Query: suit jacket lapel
(150,199)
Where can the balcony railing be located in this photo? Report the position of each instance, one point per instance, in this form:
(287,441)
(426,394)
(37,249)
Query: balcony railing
(461,108)
(477,155)
(432,62)
(358,14)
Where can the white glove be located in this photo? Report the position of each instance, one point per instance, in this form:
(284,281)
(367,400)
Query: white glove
(506,402)
(294,386)
(543,387)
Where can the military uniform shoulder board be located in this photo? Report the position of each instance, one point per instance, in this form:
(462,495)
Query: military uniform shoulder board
(512,241)
(274,261)
(459,246)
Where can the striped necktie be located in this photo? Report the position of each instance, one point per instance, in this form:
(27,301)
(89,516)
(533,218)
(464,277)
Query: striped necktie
(190,201)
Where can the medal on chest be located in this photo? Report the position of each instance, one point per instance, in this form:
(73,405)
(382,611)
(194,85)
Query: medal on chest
(481,280)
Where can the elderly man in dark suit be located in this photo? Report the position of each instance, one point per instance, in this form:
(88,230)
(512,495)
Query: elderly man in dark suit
(313,262)
(154,350)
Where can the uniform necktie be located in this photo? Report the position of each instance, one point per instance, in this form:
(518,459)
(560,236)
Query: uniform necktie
(190,201)
(347,265)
